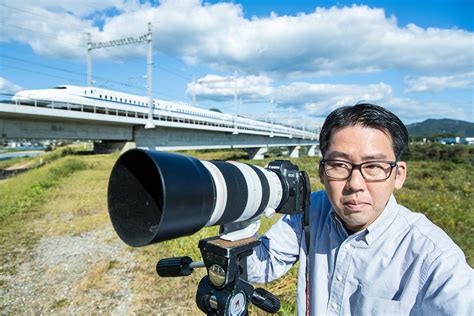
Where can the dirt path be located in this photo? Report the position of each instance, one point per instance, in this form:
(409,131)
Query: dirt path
(57,271)
(23,165)
(80,274)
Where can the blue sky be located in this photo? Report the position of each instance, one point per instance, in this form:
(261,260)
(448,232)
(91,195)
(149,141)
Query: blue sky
(414,57)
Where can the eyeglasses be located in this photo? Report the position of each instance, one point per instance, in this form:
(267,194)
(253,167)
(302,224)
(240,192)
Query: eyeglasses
(372,171)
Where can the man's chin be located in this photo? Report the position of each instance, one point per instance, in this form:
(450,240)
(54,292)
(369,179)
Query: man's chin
(354,220)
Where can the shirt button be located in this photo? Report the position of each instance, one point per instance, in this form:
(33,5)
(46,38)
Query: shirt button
(334,306)
(338,277)
(347,246)
(369,238)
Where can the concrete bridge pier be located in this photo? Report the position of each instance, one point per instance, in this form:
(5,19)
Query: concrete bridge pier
(311,151)
(111,146)
(257,153)
(294,151)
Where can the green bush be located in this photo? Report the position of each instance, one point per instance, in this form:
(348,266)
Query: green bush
(439,152)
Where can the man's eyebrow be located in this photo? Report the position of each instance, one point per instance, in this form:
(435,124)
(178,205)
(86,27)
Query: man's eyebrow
(340,154)
(375,157)
(336,154)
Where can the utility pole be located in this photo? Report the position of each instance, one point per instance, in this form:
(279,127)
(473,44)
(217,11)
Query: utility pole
(89,60)
(194,90)
(146,38)
(235,132)
(149,75)
(271,116)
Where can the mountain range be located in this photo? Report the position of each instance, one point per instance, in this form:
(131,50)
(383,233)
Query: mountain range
(441,127)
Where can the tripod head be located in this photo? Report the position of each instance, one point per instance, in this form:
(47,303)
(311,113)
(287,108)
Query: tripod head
(222,291)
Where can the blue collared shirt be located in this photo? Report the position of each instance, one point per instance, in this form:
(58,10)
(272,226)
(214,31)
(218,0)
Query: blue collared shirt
(401,264)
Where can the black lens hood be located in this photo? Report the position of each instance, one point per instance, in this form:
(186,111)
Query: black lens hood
(156,196)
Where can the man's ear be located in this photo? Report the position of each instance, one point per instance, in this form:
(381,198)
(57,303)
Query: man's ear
(400,174)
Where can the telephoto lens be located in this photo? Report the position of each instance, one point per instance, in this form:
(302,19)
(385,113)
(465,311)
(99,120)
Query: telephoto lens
(156,196)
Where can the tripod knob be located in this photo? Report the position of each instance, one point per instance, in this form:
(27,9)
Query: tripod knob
(174,267)
(265,300)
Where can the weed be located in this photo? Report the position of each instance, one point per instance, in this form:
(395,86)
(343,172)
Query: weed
(59,304)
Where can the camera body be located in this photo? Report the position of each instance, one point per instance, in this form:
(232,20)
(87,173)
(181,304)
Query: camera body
(297,187)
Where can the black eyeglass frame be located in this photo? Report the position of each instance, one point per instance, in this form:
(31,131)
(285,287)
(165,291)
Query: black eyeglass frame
(358,166)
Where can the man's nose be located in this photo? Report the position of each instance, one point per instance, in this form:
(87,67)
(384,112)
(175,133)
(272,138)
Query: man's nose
(356,181)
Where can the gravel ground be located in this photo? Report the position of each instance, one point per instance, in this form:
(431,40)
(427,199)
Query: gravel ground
(51,279)
(90,273)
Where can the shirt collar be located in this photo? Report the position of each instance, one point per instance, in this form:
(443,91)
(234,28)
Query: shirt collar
(380,225)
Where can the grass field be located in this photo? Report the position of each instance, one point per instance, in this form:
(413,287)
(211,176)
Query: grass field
(67,197)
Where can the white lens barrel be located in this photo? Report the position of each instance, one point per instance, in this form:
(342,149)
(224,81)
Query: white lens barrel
(242,191)
(254,187)
(221,192)
(276,189)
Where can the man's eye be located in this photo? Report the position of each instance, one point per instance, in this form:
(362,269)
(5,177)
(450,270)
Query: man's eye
(372,166)
(375,166)
(340,165)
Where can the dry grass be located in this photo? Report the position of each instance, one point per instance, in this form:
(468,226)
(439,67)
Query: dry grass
(96,277)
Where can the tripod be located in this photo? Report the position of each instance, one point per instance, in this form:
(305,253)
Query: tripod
(222,291)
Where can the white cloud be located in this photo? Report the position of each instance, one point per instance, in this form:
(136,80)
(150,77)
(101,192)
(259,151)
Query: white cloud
(217,88)
(8,87)
(321,98)
(328,41)
(412,111)
(440,83)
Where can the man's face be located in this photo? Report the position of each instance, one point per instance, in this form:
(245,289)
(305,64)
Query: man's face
(358,202)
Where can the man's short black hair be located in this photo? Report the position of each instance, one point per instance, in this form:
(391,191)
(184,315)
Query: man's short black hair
(366,115)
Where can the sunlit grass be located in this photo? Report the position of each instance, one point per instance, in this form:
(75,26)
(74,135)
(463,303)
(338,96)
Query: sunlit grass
(19,193)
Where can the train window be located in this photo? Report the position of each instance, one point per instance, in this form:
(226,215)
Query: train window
(85,91)
(100,96)
(91,91)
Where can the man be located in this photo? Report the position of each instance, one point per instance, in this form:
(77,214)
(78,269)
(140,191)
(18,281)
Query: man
(368,255)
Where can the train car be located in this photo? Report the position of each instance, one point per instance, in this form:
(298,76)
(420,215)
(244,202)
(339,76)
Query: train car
(109,101)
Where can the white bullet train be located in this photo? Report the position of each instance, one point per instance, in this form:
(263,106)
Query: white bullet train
(103,101)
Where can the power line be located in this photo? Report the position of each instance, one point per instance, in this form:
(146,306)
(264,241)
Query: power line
(39,73)
(43,65)
(172,72)
(52,35)
(21,10)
